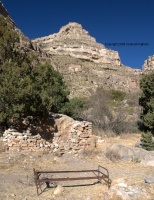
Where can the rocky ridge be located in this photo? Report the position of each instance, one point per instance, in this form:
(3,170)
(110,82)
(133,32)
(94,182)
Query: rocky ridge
(75,41)
(84,63)
(148,65)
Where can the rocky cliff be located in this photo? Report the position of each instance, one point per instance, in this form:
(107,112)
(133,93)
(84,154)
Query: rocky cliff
(84,63)
(75,41)
(148,65)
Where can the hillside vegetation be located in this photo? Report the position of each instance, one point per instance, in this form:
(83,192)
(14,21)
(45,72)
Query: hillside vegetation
(30,88)
(27,87)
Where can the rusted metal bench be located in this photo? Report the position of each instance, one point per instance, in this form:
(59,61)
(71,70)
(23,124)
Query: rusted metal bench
(100,174)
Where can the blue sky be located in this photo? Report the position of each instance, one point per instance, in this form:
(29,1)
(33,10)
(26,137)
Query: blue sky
(118,24)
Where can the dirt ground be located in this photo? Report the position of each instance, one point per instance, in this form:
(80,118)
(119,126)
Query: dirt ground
(16,173)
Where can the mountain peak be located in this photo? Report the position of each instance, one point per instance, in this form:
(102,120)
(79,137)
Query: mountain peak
(71,26)
(72,39)
(74,30)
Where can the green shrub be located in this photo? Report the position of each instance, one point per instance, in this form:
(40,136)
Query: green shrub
(147,102)
(147,142)
(118,95)
(73,107)
(27,87)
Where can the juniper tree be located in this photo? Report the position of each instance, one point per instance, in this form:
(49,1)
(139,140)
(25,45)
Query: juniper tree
(25,88)
(147,116)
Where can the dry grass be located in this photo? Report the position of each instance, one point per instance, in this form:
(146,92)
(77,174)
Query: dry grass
(3,147)
(18,173)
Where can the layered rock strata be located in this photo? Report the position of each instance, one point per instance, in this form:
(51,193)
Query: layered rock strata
(84,63)
(75,41)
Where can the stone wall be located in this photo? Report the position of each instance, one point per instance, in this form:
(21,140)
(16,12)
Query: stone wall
(73,140)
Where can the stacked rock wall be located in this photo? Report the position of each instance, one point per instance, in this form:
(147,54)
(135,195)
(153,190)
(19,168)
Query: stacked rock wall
(77,139)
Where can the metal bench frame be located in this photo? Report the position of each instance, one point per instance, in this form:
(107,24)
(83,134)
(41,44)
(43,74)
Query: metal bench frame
(98,174)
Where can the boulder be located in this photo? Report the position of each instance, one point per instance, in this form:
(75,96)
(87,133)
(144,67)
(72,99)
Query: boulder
(149,179)
(59,190)
(120,190)
(120,152)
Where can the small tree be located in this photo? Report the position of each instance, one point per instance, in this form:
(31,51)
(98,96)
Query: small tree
(147,102)
(8,39)
(147,142)
(147,116)
(30,91)
(27,88)
(74,107)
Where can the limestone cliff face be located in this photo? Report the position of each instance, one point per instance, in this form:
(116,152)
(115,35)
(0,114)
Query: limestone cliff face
(84,63)
(75,41)
(148,65)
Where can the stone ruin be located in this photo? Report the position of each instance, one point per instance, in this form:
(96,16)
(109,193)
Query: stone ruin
(71,137)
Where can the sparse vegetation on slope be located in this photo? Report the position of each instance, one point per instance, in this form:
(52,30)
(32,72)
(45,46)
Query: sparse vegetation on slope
(110,111)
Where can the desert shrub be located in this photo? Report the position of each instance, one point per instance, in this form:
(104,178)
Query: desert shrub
(133,99)
(112,155)
(146,100)
(117,95)
(73,107)
(106,115)
(147,143)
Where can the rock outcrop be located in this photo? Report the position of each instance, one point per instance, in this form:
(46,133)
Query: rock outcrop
(75,41)
(134,154)
(121,190)
(84,63)
(148,65)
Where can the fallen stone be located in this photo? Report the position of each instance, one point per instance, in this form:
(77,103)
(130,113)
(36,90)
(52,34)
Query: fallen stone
(59,190)
(16,133)
(134,154)
(21,137)
(149,179)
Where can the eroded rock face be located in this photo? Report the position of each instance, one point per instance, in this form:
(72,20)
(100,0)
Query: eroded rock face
(84,63)
(148,65)
(75,41)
